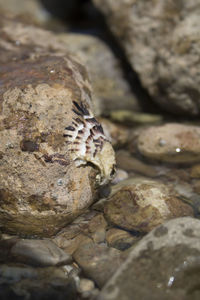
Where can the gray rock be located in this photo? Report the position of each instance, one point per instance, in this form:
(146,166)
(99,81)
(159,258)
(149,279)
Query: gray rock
(40,253)
(163,265)
(161,40)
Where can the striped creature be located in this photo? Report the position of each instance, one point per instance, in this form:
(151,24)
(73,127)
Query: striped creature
(86,142)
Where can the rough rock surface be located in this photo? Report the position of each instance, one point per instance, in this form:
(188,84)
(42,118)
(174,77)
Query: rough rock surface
(143,205)
(164,264)
(161,40)
(41,189)
(172,142)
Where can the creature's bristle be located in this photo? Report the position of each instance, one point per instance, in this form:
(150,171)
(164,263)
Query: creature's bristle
(85,132)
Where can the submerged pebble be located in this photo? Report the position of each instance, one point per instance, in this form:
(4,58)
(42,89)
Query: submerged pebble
(98,261)
(143,205)
(172,142)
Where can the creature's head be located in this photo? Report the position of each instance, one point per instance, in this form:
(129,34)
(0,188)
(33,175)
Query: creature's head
(105,161)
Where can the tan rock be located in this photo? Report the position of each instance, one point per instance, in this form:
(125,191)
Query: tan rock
(130,163)
(43,94)
(142,206)
(88,227)
(30,11)
(176,143)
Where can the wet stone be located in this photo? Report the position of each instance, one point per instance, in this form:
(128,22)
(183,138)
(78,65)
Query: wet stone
(164,266)
(182,143)
(23,282)
(90,226)
(141,206)
(97,261)
(120,239)
(129,163)
(40,253)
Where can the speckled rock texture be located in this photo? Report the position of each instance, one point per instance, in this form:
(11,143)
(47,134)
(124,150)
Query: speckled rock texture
(142,205)
(161,40)
(41,189)
(172,142)
(164,264)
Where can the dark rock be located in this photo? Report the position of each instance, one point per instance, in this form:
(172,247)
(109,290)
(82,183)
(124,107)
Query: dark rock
(21,282)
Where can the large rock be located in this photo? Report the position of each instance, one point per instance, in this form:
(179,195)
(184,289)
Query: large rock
(163,265)
(47,130)
(161,40)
